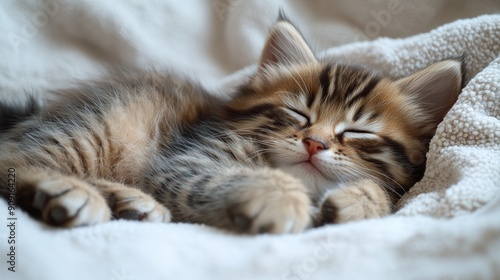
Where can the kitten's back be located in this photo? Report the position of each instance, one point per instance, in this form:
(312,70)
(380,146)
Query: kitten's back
(110,128)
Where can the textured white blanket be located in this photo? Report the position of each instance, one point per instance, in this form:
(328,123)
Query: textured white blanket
(447,227)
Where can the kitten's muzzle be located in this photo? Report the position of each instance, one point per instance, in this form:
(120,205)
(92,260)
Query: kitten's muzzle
(313,146)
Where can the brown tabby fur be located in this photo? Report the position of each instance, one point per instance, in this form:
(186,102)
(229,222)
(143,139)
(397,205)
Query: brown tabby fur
(157,147)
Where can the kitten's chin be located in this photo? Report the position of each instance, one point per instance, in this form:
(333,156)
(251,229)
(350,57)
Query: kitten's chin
(316,182)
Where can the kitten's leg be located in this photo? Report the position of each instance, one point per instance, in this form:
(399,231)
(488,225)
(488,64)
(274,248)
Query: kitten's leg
(363,199)
(60,200)
(130,203)
(269,201)
(68,201)
(244,200)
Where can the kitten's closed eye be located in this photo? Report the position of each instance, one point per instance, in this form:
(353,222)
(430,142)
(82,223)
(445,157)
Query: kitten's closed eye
(359,134)
(301,117)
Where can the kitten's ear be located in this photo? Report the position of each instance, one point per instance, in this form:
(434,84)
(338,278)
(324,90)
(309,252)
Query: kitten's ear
(435,88)
(285,45)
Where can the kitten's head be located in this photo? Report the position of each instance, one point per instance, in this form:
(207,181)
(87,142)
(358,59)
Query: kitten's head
(329,123)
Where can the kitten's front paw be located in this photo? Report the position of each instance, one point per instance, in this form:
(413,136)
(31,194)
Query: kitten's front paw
(69,202)
(132,204)
(361,200)
(270,201)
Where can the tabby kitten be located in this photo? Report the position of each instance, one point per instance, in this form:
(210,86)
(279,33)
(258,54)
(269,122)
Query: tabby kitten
(302,143)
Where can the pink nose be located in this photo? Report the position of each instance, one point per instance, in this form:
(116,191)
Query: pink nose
(313,146)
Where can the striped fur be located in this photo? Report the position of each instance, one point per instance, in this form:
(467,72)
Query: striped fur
(158,147)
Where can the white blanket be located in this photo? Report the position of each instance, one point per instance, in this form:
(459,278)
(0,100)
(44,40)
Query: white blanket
(447,227)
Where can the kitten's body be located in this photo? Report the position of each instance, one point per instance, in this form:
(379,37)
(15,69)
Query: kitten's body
(300,135)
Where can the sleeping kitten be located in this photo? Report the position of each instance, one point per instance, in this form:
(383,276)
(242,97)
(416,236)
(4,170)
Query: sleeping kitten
(303,142)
